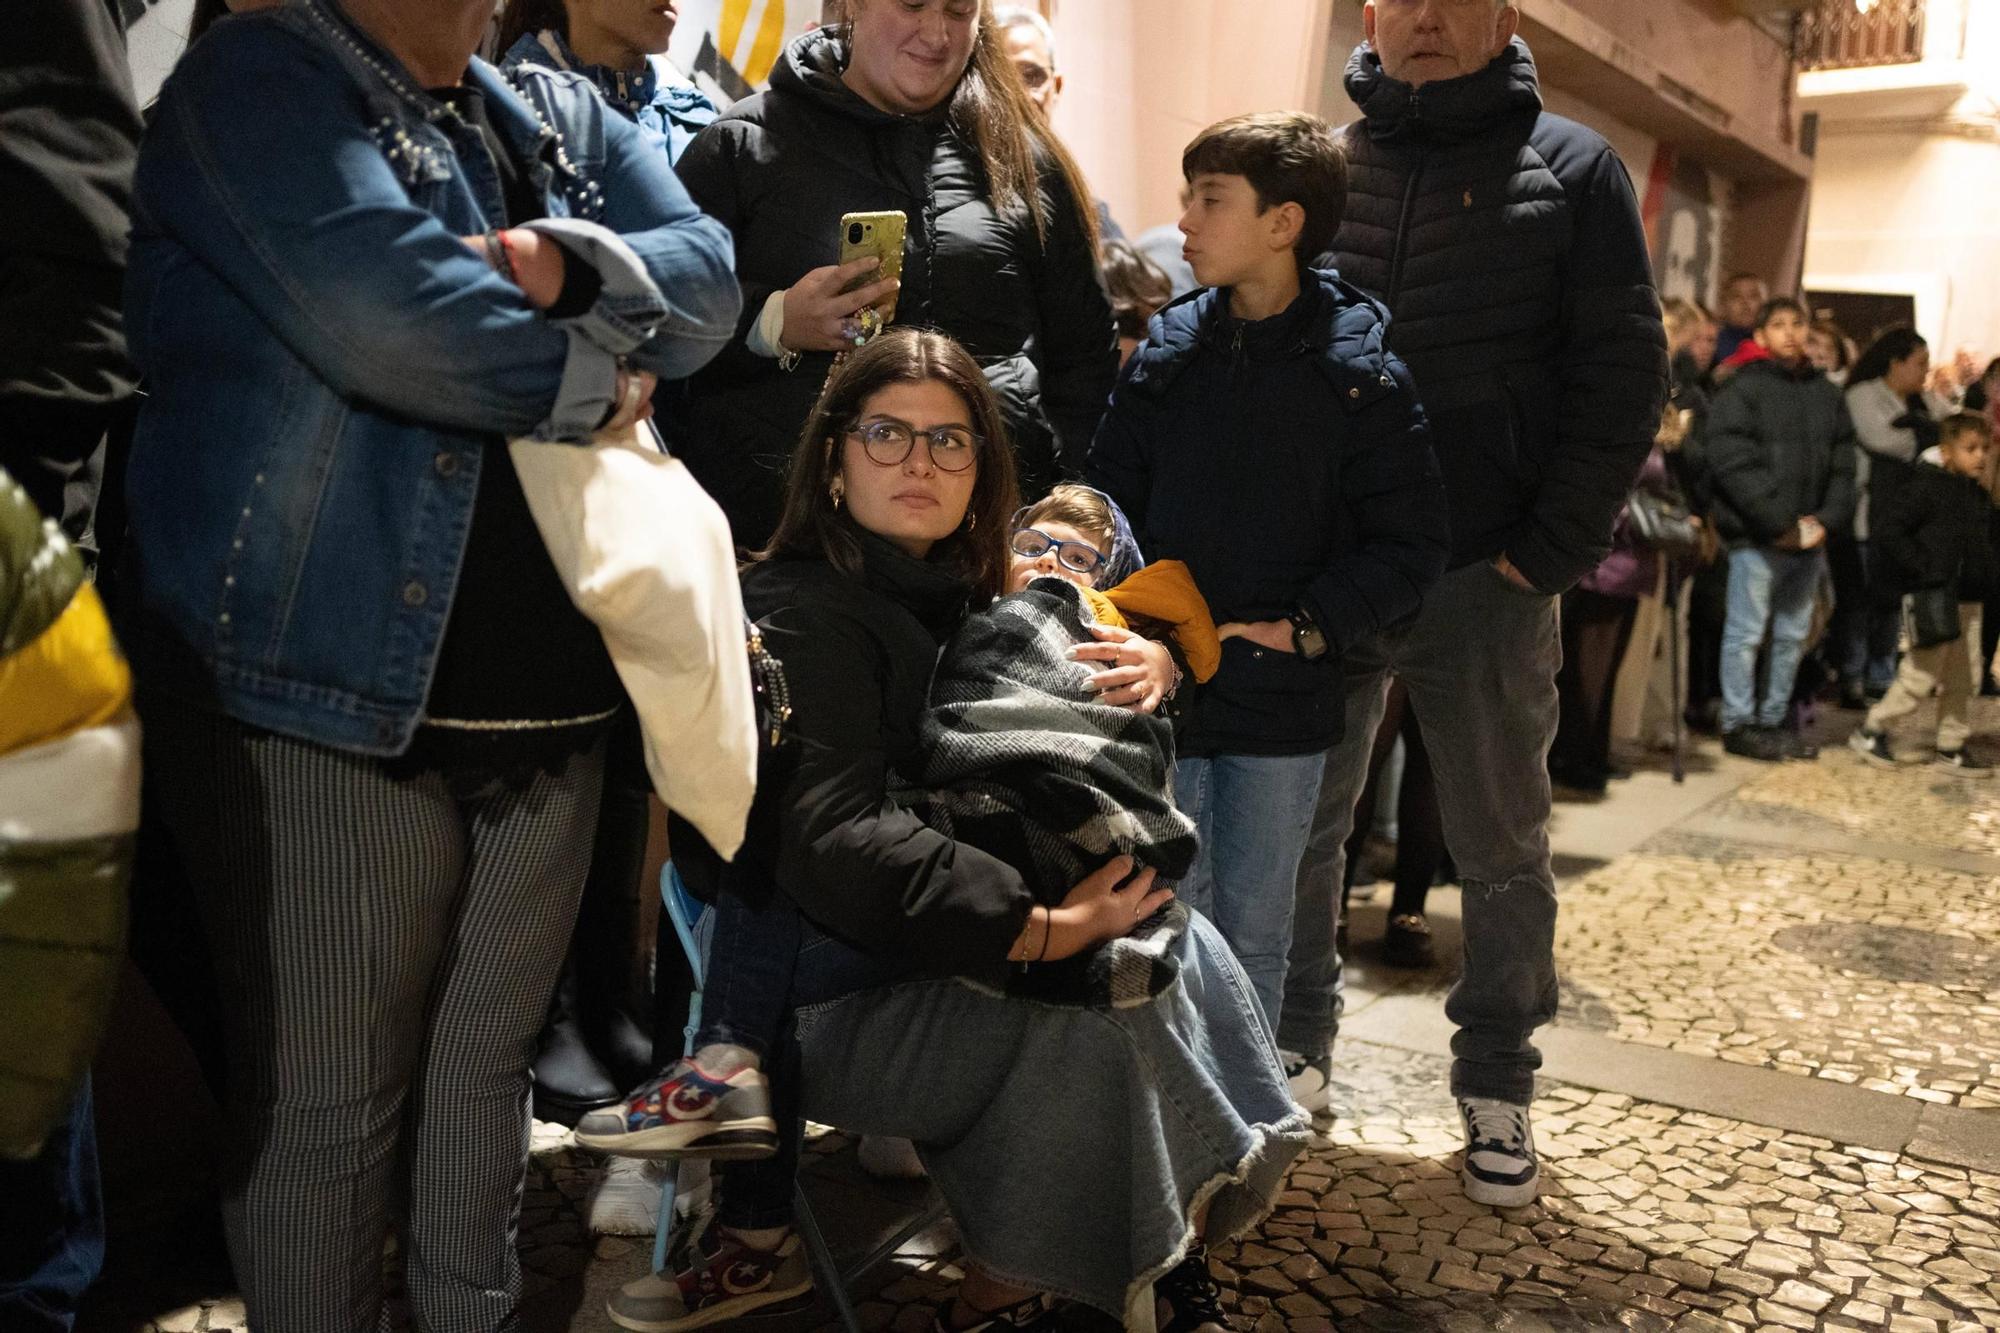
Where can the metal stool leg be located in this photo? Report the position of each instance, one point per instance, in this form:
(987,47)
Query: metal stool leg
(825,1270)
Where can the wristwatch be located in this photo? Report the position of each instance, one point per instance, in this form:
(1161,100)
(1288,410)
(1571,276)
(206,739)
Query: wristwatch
(1307,638)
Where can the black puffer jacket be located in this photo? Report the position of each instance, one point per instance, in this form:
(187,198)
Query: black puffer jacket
(1287,463)
(858,654)
(1508,247)
(1779,446)
(779,170)
(1937,532)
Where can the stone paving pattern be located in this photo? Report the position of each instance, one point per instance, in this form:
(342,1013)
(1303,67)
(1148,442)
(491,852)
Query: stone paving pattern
(1914,803)
(1860,971)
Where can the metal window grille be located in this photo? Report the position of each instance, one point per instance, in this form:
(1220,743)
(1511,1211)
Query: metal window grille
(1849,34)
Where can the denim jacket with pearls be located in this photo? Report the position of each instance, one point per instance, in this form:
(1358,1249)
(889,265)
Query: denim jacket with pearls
(327,362)
(674,111)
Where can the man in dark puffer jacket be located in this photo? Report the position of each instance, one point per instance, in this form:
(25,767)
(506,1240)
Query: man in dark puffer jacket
(1507,244)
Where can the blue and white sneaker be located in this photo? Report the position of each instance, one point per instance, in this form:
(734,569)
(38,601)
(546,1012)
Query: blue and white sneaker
(686,1112)
(1500,1169)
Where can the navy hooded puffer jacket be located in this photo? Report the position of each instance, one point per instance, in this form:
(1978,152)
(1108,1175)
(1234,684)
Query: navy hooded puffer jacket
(1508,247)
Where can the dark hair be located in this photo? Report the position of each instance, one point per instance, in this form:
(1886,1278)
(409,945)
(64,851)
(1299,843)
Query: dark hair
(1288,157)
(1137,286)
(1745,275)
(1776,306)
(1833,333)
(1977,399)
(810,526)
(522,17)
(206,12)
(1964,423)
(990,108)
(1891,345)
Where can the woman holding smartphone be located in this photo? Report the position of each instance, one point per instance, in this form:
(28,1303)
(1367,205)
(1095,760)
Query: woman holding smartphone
(912,108)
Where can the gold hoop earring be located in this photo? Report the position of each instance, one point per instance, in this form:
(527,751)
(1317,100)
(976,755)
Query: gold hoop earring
(837,489)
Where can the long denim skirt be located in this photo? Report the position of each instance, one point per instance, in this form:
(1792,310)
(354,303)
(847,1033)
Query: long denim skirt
(1074,1145)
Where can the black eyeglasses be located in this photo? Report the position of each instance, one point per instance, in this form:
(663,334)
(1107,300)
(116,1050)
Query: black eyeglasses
(887,442)
(1076,557)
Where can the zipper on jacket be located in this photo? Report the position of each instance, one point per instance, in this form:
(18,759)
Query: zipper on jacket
(1409,206)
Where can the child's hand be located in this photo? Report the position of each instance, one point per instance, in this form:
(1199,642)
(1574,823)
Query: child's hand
(1273,634)
(1142,672)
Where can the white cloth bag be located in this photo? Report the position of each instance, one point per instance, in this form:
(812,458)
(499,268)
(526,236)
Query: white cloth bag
(646,556)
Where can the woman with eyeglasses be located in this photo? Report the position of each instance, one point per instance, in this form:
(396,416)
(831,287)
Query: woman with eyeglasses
(1071,1142)
(909,106)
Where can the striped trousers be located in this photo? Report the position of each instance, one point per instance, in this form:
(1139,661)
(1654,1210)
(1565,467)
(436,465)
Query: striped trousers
(385,950)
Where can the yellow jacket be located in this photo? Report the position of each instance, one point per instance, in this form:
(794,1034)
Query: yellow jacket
(1165,591)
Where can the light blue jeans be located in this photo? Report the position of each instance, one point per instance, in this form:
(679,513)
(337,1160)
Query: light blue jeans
(1253,813)
(1768,590)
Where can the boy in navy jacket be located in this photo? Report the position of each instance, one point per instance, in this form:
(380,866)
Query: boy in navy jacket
(1265,435)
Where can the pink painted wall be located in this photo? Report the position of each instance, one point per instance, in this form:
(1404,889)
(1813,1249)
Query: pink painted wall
(1143,77)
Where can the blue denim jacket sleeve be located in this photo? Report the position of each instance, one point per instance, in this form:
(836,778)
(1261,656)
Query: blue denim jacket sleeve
(690,256)
(289,199)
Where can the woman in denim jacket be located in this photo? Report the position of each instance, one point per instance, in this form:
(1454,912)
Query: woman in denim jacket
(620,46)
(362,260)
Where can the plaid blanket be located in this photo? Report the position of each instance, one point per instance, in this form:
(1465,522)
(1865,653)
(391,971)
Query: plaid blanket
(1022,762)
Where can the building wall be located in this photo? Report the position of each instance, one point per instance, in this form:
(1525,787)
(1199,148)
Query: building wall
(1143,76)
(1906,211)
(1906,197)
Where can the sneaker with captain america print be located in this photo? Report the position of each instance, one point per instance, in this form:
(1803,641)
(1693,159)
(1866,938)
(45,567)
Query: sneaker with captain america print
(687,1112)
(713,1277)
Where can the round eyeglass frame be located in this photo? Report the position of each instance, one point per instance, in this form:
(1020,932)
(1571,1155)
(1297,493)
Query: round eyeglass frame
(859,430)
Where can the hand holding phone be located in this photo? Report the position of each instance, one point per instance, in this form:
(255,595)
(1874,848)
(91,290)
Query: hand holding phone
(817,305)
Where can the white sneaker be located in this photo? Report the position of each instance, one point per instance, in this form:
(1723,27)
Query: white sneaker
(627,1199)
(1500,1168)
(887,1158)
(1311,1080)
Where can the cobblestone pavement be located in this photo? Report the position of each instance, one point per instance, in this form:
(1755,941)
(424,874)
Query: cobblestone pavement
(1846,968)
(1759,932)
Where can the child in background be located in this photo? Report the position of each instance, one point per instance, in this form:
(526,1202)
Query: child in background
(1265,434)
(1781,455)
(1937,536)
(1138,288)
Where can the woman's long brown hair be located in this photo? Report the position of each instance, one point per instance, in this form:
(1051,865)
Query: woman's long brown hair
(522,17)
(991,109)
(811,527)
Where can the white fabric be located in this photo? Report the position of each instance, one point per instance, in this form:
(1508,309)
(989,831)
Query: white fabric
(646,555)
(85,785)
(766,336)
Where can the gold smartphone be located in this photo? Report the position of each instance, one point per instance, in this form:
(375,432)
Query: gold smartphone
(876,236)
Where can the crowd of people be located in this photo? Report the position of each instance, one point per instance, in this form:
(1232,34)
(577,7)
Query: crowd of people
(1795,514)
(1102,584)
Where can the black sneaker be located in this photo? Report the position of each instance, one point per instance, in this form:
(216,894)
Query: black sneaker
(1311,1079)
(1756,743)
(1407,941)
(1500,1168)
(1873,746)
(1797,745)
(1965,763)
(1187,1299)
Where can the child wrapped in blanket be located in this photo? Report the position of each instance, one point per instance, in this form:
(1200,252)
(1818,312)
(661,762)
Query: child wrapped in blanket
(1021,759)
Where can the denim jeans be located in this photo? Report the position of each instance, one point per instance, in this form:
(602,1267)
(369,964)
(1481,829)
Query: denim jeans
(1768,590)
(1253,813)
(763,963)
(1479,661)
(51,1226)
